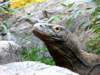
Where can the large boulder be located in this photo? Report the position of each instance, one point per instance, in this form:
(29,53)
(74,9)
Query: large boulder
(9,52)
(33,68)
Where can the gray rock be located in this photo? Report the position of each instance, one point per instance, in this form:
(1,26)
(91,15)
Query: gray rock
(33,68)
(9,52)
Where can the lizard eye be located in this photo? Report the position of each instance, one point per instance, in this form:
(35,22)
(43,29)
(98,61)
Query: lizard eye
(56,28)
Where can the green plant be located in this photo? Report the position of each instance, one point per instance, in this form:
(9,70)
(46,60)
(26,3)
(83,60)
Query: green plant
(36,54)
(93,45)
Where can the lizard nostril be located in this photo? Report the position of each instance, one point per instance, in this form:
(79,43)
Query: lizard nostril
(41,26)
(3,34)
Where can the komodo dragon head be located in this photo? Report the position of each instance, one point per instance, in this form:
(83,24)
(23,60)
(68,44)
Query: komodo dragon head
(49,33)
(57,37)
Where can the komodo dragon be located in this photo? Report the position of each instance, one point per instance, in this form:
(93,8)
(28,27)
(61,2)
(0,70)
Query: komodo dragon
(65,49)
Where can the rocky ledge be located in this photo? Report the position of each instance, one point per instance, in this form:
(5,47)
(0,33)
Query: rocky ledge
(33,68)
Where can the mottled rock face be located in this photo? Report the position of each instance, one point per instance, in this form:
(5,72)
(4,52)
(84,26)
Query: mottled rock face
(9,52)
(22,35)
(33,68)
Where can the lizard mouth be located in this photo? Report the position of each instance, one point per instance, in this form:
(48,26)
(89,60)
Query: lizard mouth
(40,34)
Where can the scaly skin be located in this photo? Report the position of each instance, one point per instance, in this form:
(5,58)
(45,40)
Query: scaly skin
(65,49)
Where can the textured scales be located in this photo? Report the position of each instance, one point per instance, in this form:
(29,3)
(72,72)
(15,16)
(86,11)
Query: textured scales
(66,49)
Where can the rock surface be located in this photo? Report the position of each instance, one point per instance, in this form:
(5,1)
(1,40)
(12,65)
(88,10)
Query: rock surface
(33,68)
(9,52)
